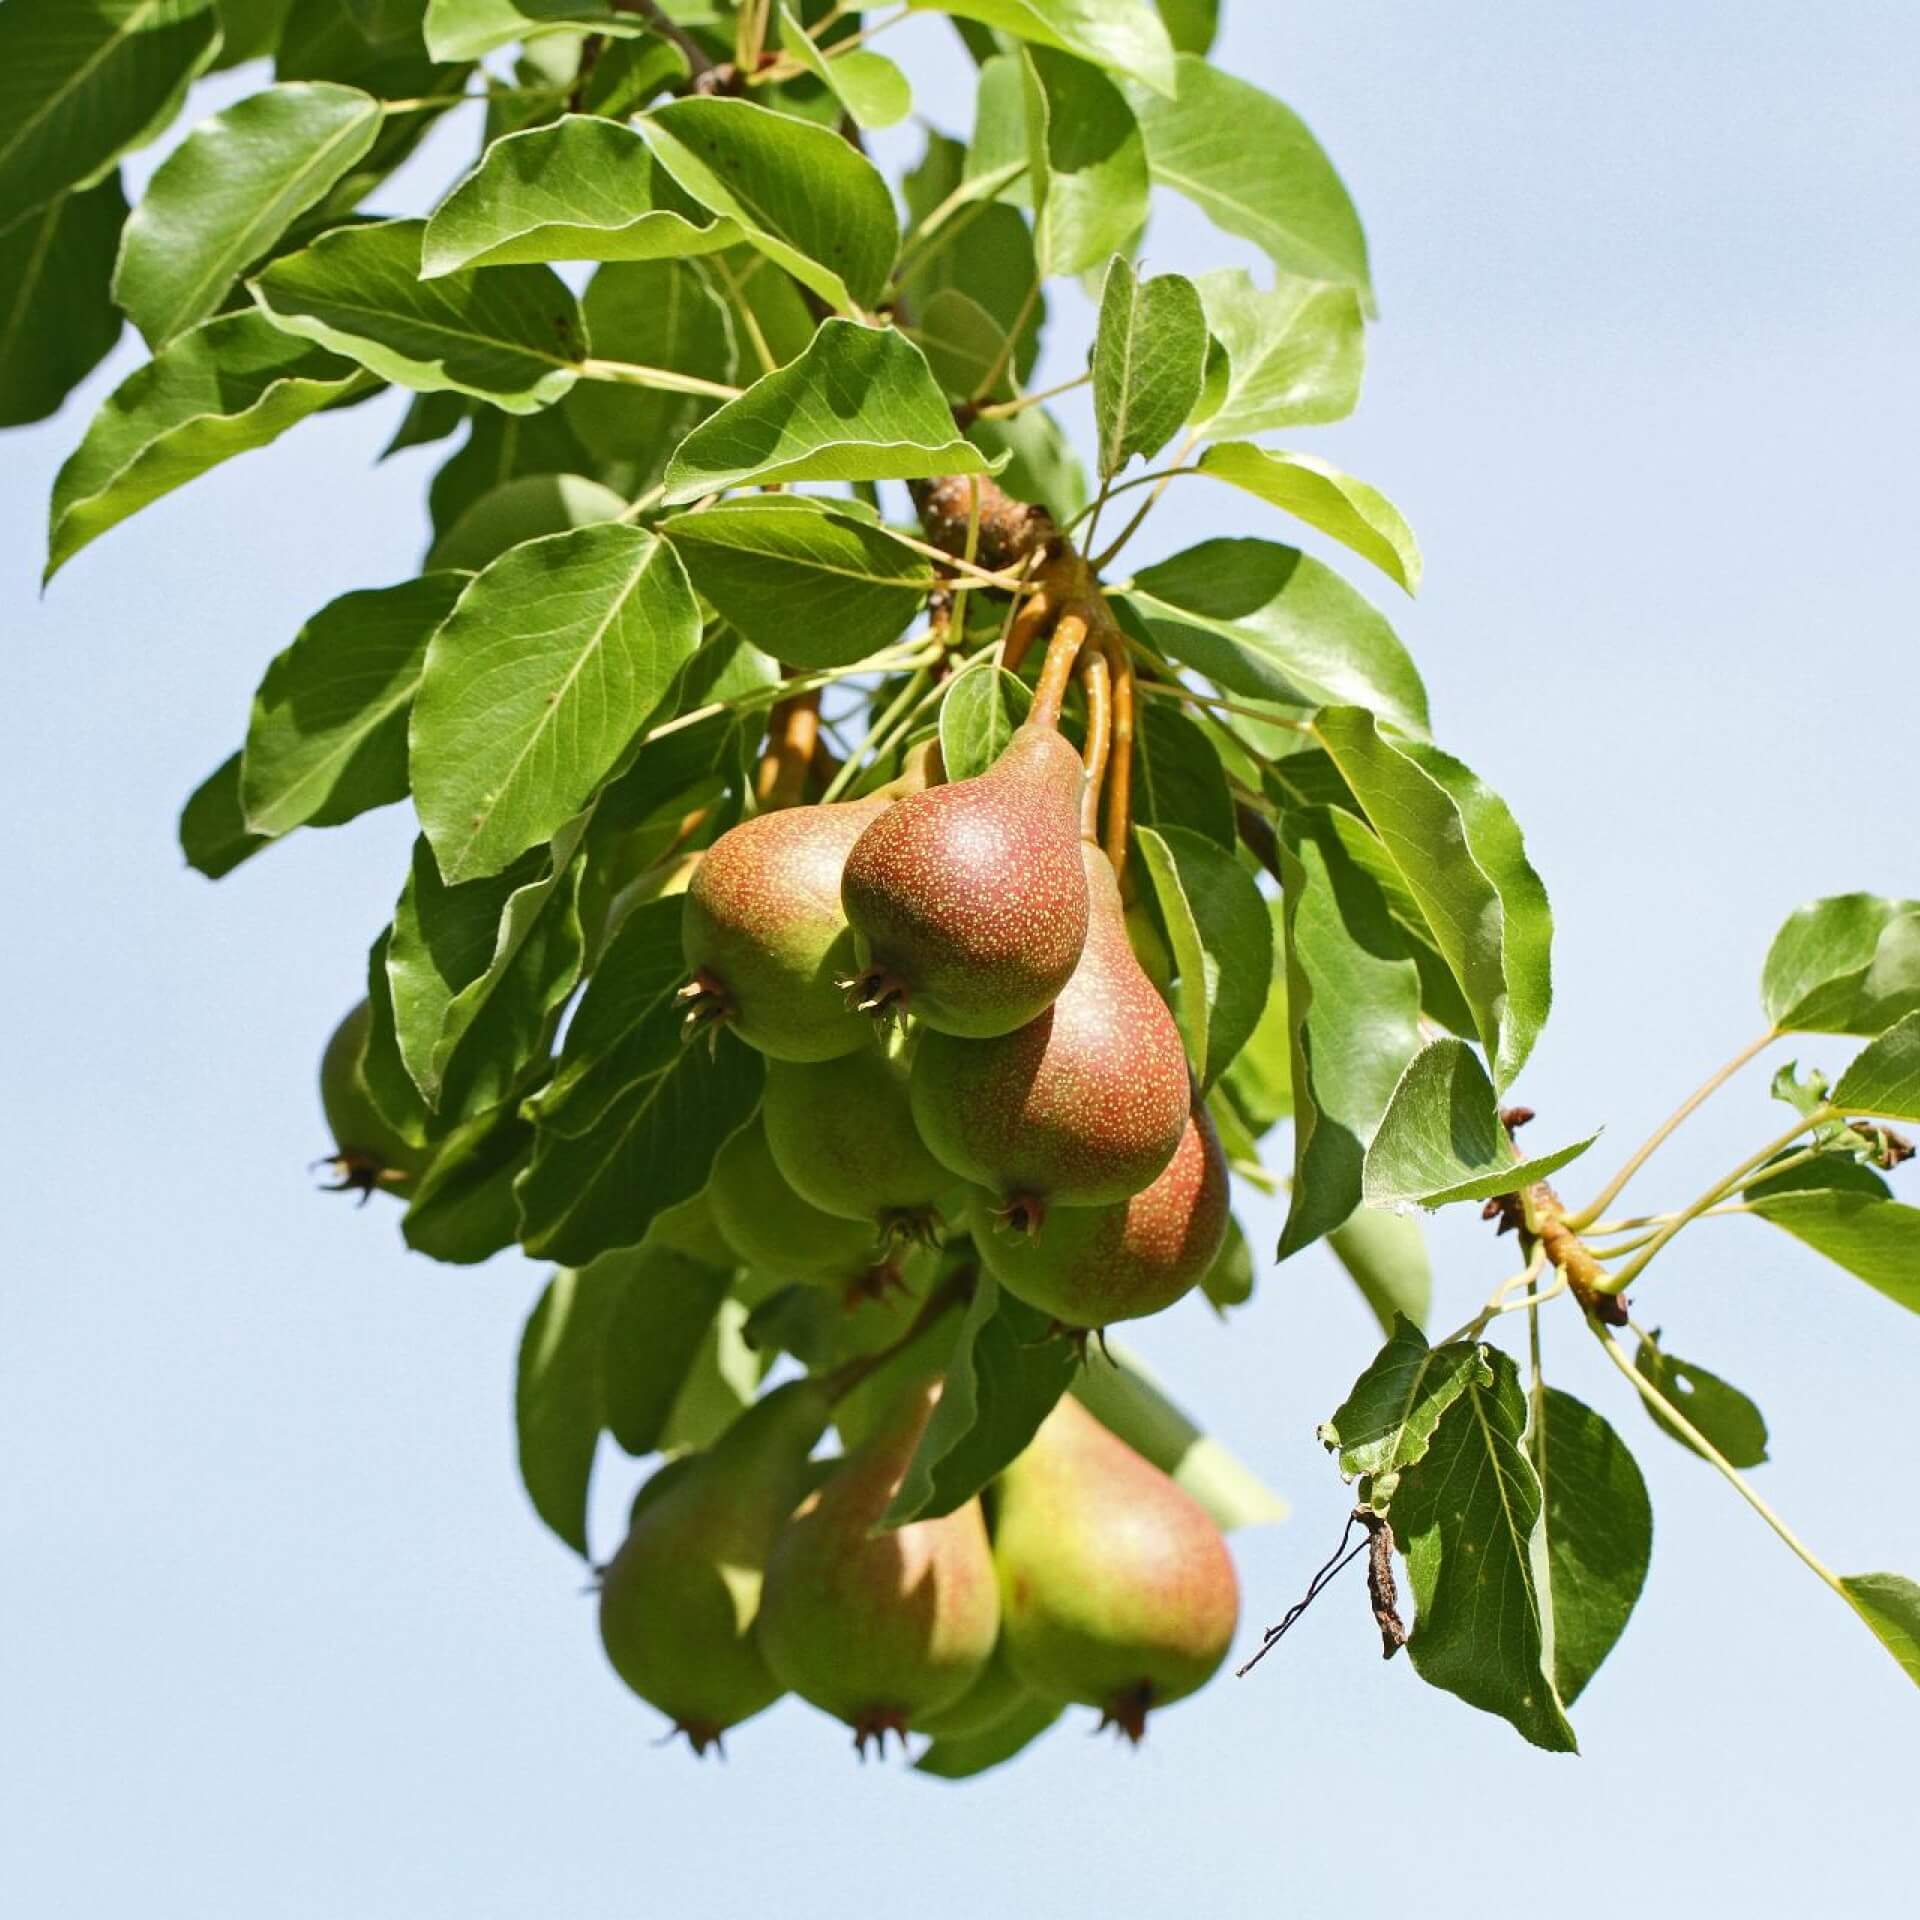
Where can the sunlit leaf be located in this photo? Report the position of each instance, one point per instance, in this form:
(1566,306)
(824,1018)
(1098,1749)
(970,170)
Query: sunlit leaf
(1849,964)
(1149,355)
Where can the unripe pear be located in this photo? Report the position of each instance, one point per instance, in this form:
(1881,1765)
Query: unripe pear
(969,900)
(1082,1106)
(368,1153)
(842,1133)
(765,936)
(878,1627)
(1095,1265)
(1116,1588)
(678,1602)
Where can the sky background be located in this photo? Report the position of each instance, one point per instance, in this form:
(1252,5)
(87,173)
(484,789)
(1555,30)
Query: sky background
(279,1634)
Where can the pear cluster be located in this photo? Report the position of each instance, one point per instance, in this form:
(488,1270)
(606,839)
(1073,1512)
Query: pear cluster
(750,1570)
(961,1040)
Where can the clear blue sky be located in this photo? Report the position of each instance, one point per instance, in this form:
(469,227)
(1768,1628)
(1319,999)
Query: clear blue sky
(278,1633)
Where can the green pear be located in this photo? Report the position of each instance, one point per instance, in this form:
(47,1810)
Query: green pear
(1116,1588)
(368,1153)
(878,1626)
(678,1602)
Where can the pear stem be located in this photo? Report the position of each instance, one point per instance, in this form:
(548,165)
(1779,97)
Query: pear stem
(1050,693)
(1120,759)
(1097,684)
(949,1294)
(793,732)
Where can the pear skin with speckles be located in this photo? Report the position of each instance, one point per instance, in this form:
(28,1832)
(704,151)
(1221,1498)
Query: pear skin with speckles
(969,900)
(1095,1265)
(764,934)
(880,1626)
(678,1602)
(1116,1588)
(1083,1106)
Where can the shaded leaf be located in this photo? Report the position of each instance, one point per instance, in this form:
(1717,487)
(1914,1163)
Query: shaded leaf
(57,319)
(1177,776)
(222,198)
(963,1755)
(1385,1255)
(529,508)
(214,834)
(535,684)
(653,1338)
(982,707)
(1883,1082)
(1089,168)
(1390,1414)
(462,1209)
(1722,1413)
(1890,1604)
(1126,36)
(512,335)
(1441,1140)
(1847,964)
(1599,1525)
(1149,356)
(1260,1080)
(1041,464)
(1229,1281)
(584,188)
(859,404)
(1875,1240)
(1191,24)
(229,386)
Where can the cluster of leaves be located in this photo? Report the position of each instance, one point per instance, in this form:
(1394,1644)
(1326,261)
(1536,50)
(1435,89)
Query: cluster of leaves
(673,501)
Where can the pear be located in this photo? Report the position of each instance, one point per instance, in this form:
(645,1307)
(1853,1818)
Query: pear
(775,1232)
(878,1627)
(765,936)
(842,1133)
(1095,1265)
(1082,1106)
(969,899)
(1116,1588)
(368,1153)
(678,1602)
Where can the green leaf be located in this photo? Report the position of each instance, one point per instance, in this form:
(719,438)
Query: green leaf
(1229,1281)
(499,447)
(1441,1139)
(1385,1255)
(584,188)
(226,194)
(1041,464)
(1177,776)
(1875,1240)
(1191,24)
(1390,1414)
(963,1755)
(1848,964)
(1125,36)
(868,85)
(771,319)
(1290,357)
(1222,941)
(983,705)
(1599,1525)
(225,388)
(1259,1083)
(465,29)
(462,1208)
(1722,1413)
(633,1117)
(1149,356)
(249,29)
(1353,997)
(429,418)
(57,320)
(1890,1604)
(966,347)
(1461,858)
(1250,165)
(799,192)
(81,81)
(213,830)
(651,313)
(529,508)
(1884,1081)
(535,684)
(558,1412)
(1002,1380)
(1467,1515)
(1121,1393)
(1265,620)
(813,585)
(1348,510)
(653,1339)
(328,736)
(859,404)
(722,1383)
(1089,171)
(512,335)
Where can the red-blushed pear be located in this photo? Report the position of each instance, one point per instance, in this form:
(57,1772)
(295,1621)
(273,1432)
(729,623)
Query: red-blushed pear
(1116,1588)
(368,1154)
(1095,1265)
(678,1602)
(968,899)
(879,1626)
(765,936)
(842,1133)
(1084,1105)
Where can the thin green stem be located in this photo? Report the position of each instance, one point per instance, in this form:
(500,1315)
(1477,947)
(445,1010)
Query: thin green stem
(991,378)
(976,192)
(1006,409)
(736,290)
(626,373)
(891,660)
(1172,690)
(1665,1408)
(901,703)
(1133,526)
(1579,1222)
(1127,486)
